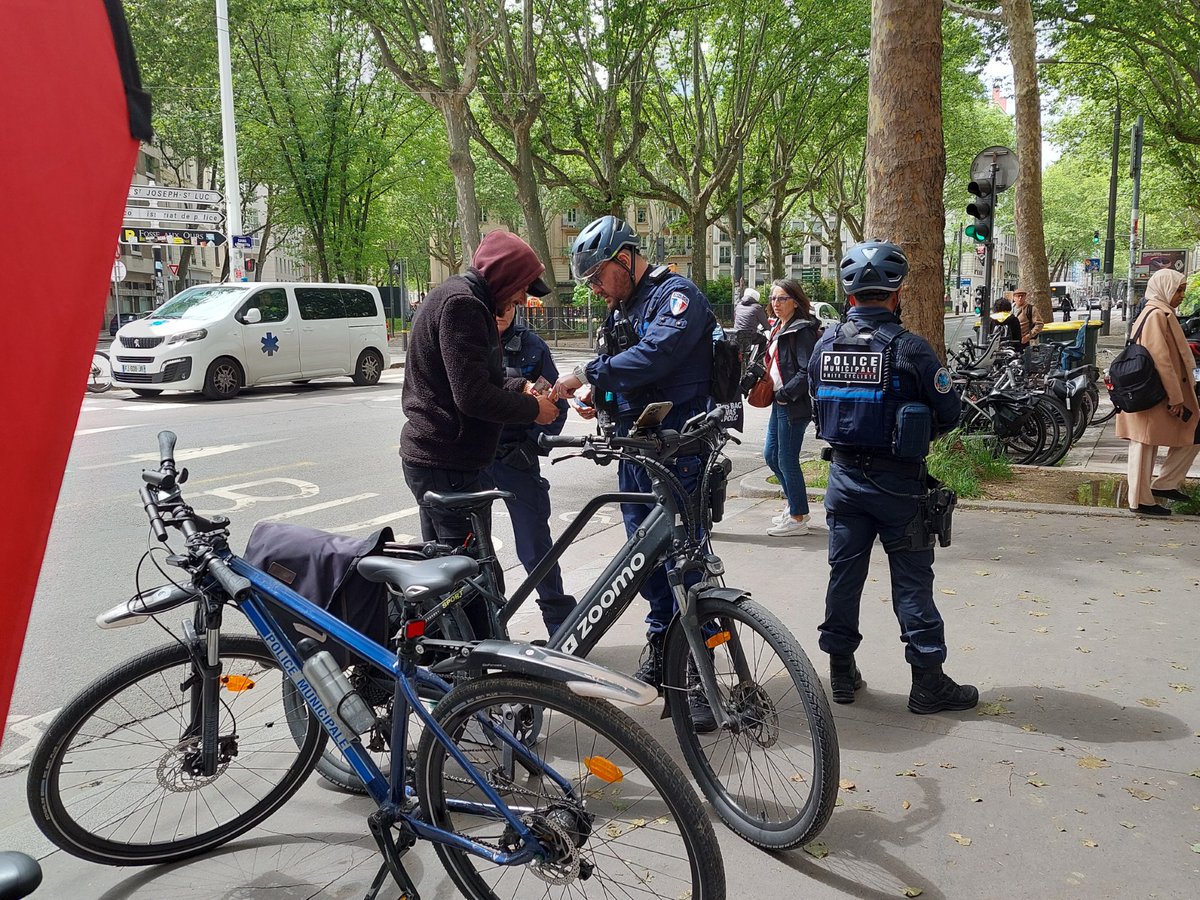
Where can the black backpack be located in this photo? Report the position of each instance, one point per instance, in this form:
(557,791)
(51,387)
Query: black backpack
(724,384)
(1136,385)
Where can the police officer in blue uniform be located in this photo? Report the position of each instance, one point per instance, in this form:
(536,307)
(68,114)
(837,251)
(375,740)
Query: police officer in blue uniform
(880,395)
(656,345)
(517,469)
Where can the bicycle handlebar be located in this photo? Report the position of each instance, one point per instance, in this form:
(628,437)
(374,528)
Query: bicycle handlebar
(166,450)
(232,583)
(654,443)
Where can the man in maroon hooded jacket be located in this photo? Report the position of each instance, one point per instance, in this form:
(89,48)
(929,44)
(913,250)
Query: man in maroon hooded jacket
(456,397)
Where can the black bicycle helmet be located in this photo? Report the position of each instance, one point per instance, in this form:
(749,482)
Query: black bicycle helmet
(874,266)
(600,241)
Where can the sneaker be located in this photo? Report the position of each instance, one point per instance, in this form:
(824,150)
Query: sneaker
(703,720)
(1143,509)
(650,668)
(790,528)
(934,691)
(784,515)
(844,678)
(1173,494)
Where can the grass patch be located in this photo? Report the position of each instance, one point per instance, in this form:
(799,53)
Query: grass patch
(816,473)
(964,463)
(1188,507)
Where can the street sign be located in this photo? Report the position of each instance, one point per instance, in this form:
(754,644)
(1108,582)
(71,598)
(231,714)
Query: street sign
(171,236)
(119,271)
(243,240)
(174,267)
(173,194)
(173,214)
(964,282)
(1005,161)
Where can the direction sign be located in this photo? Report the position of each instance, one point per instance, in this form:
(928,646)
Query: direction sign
(171,236)
(164,214)
(1005,161)
(175,195)
(119,271)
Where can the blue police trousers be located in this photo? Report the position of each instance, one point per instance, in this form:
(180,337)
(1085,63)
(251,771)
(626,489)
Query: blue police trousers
(529,510)
(857,512)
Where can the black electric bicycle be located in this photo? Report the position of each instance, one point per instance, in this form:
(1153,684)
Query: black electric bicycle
(525,781)
(770,768)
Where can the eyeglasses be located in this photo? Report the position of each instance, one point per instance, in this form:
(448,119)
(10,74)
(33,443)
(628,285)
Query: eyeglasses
(779,298)
(593,279)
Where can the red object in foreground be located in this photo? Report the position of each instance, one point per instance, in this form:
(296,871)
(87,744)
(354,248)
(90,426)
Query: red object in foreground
(66,161)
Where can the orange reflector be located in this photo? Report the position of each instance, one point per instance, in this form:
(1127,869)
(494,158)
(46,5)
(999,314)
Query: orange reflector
(237,683)
(717,639)
(603,769)
(414,629)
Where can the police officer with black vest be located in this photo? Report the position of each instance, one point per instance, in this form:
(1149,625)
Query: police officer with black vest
(880,395)
(517,467)
(656,345)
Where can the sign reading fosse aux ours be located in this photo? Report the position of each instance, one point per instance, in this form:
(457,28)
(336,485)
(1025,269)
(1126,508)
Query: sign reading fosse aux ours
(851,367)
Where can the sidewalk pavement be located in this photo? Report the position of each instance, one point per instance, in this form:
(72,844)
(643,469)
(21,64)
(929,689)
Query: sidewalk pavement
(1077,777)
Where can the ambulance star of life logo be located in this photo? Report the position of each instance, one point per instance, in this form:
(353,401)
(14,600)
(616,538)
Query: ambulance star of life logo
(270,344)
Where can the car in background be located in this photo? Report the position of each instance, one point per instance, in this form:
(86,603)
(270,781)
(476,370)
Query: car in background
(826,313)
(1094,303)
(115,323)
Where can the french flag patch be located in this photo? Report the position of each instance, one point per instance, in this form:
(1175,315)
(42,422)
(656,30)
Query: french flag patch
(679,303)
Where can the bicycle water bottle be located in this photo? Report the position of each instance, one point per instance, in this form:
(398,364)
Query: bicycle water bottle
(336,692)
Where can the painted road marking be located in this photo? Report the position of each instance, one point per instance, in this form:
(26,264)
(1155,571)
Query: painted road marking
(237,495)
(183,455)
(31,728)
(109,428)
(316,507)
(379,521)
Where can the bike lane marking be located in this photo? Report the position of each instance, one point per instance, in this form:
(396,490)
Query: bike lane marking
(30,728)
(316,507)
(185,455)
(80,431)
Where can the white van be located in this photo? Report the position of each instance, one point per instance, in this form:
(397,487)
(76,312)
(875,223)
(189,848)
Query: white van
(219,338)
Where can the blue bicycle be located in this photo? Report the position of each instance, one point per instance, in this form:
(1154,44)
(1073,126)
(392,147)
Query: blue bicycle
(526,781)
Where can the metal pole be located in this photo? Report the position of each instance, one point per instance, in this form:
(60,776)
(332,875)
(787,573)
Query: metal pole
(958,270)
(1110,242)
(1135,170)
(403,304)
(985,308)
(233,197)
(739,236)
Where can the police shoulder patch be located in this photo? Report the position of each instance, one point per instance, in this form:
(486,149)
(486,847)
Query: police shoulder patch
(679,303)
(941,380)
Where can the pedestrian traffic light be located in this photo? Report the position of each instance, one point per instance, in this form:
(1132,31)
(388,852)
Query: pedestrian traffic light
(1095,237)
(982,209)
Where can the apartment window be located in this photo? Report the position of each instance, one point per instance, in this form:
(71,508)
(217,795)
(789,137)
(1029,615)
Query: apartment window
(641,215)
(814,254)
(724,255)
(572,216)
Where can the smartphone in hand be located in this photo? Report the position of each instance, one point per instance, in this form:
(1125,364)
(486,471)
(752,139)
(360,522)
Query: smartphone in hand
(542,387)
(1187,414)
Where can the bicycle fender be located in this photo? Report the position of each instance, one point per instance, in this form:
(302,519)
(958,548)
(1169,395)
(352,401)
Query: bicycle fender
(587,679)
(675,628)
(140,607)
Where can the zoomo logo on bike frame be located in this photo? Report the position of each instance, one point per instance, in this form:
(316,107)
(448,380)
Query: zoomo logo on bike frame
(594,613)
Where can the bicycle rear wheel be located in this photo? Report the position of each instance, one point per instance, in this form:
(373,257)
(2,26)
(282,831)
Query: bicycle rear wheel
(772,774)
(100,375)
(616,816)
(109,781)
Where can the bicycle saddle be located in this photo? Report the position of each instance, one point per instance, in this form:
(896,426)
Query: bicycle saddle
(19,875)
(416,577)
(476,500)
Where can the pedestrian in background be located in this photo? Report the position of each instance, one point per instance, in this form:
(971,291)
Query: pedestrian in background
(877,474)
(456,397)
(1066,307)
(789,348)
(517,467)
(1030,319)
(1173,422)
(749,314)
(1006,322)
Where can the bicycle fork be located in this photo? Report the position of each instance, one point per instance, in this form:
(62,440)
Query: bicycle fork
(203,687)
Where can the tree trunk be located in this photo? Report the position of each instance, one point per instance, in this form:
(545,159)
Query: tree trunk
(462,164)
(906,162)
(775,245)
(699,247)
(1031,240)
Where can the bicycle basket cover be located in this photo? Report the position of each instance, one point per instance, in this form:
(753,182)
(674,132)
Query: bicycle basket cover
(321,567)
(1009,414)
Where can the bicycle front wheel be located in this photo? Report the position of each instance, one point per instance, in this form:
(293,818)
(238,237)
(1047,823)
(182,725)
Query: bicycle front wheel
(772,773)
(111,780)
(100,375)
(616,817)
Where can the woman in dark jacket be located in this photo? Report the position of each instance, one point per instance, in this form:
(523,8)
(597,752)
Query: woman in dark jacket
(790,345)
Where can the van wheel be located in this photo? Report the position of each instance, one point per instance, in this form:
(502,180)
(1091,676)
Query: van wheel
(145,392)
(223,379)
(369,367)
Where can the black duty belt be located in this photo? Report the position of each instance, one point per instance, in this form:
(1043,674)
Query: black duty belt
(869,462)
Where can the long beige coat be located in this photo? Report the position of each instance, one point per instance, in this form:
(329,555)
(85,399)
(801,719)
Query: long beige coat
(1165,340)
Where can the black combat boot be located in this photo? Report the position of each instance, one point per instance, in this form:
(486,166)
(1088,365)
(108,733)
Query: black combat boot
(934,691)
(650,669)
(703,720)
(844,678)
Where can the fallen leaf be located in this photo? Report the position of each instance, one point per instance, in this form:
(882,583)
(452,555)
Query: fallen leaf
(1089,843)
(1093,762)
(1150,701)
(817,849)
(913,892)
(1195,773)
(1179,666)
(838,801)
(950,591)
(994,709)
(798,778)
(1128,825)
(1041,630)
(982,572)
(948,765)
(847,785)
(907,773)
(906,805)
(865,807)
(614,830)
(1039,613)
(1196,848)
(1139,794)
(1036,782)
(1029,728)
(638,823)
(1083,649)
(661,820)
(974,799)
(1180,687)
(965,841)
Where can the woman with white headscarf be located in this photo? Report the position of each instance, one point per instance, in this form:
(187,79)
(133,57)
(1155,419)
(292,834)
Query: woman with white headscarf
(1172,423)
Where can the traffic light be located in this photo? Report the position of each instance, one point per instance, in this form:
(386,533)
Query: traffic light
(1095,237)
(982,209)
(250,264)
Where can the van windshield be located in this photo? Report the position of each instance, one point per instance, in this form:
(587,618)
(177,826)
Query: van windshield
(201,301)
